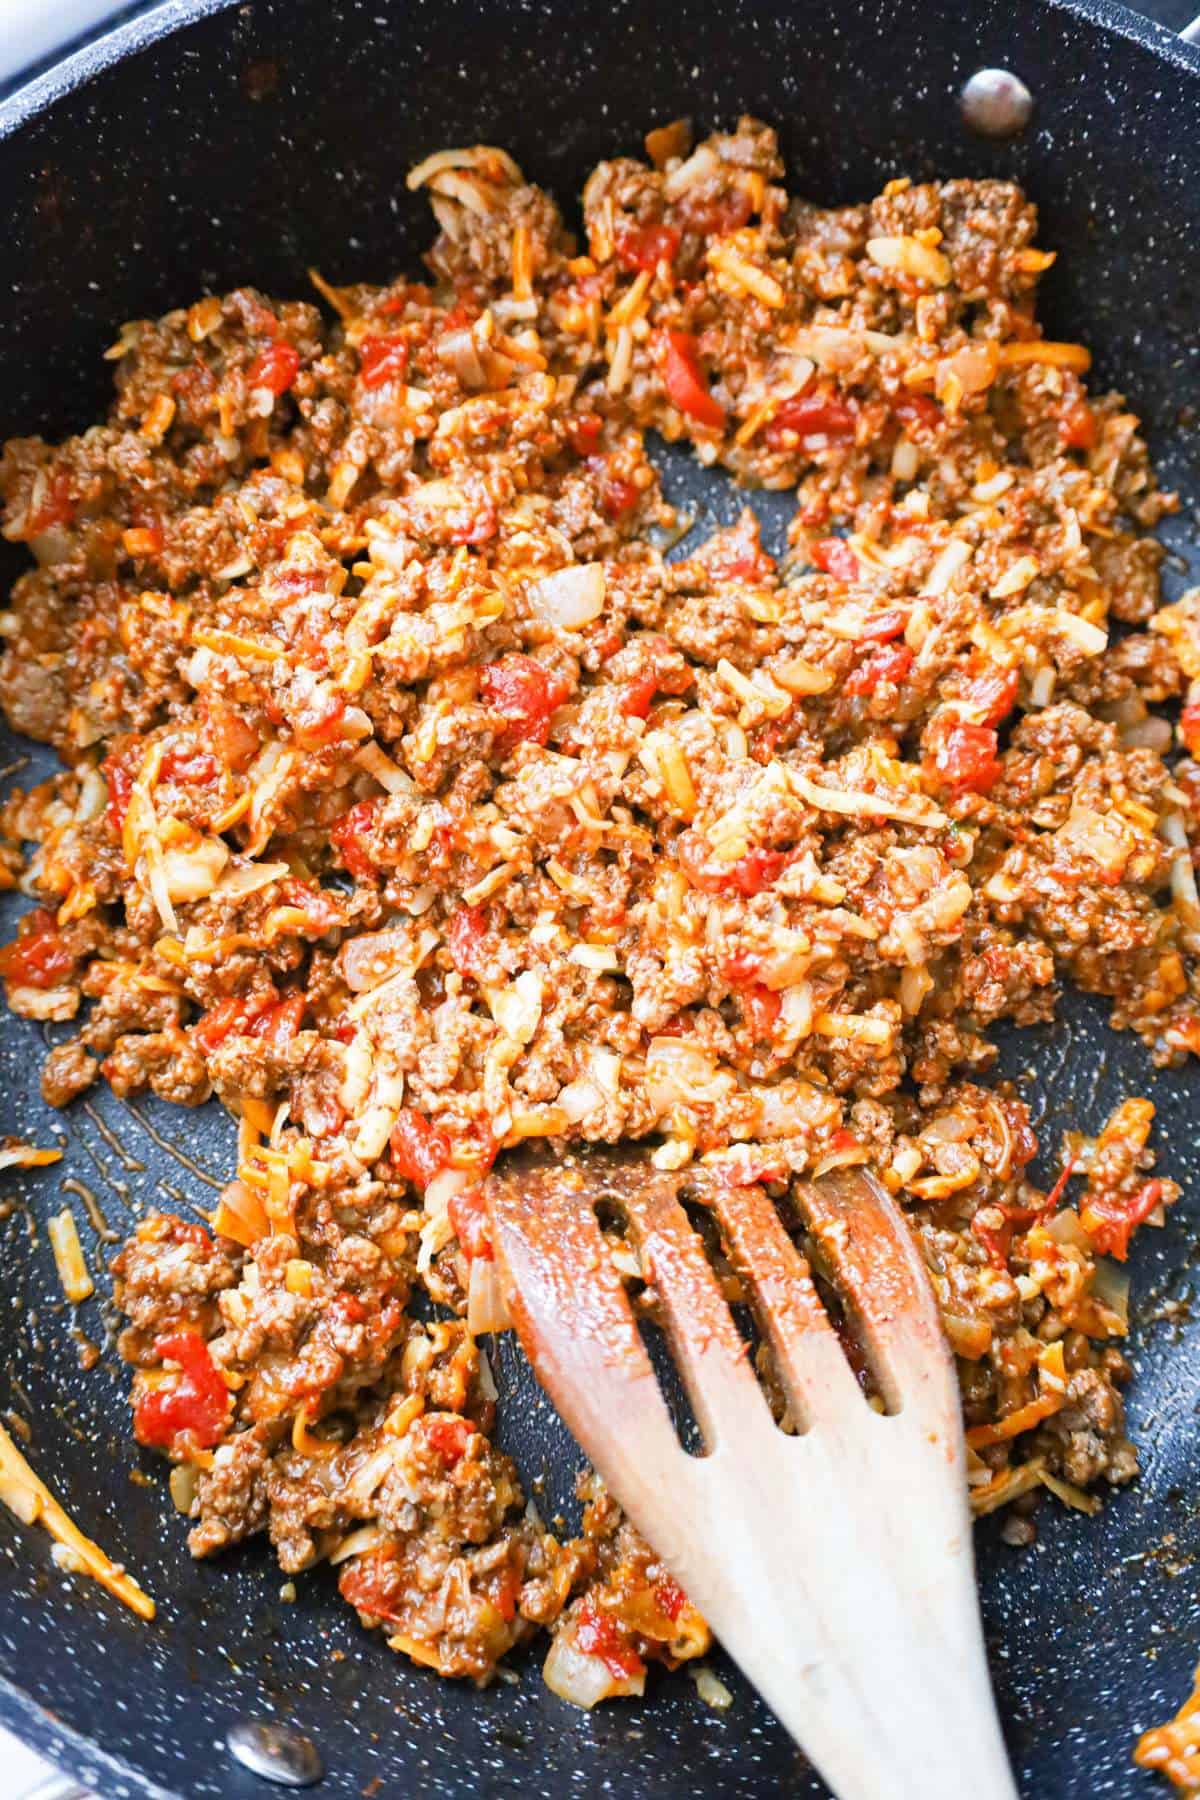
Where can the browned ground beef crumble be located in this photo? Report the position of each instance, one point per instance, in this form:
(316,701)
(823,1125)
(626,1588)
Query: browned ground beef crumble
(415,806)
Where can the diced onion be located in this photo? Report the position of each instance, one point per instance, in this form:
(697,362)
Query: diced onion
(570,598)
(248,878)
(584,1680)
(486,1310)
(357,1543)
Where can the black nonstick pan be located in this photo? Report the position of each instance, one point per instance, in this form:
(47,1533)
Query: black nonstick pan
(205,144)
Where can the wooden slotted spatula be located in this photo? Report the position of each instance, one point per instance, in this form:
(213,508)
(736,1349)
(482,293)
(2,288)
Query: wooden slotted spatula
(835,1566)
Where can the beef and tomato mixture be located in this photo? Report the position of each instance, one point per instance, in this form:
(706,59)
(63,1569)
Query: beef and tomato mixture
(424,794)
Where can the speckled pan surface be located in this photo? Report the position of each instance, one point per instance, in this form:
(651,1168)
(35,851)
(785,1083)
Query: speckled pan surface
(206,144)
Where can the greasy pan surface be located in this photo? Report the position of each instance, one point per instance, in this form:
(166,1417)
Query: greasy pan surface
(264,137)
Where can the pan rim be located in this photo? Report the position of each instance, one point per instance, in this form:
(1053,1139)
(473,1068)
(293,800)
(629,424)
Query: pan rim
(23,102)
(107,44)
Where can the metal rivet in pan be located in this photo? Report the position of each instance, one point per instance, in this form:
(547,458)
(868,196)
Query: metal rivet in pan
(274,1752)
(996,103)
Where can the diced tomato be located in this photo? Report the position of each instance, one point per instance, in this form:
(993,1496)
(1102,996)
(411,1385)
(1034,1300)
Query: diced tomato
(420,1149)
(382,359)
(760,1009)
(961,756)
(749,875)
(192,1404)
(715,215)
(639,696)
(321,909)
(1110,1221)
(684,381)
(989,692)
(469,1216)
(526,693)
(279,1024)
(372,1583)
(56,506)
(1189,727)
(1077,426)
(448,1434)
(645,246)
(811,419)
(321,719)
(234,742)
(583,433)
(38,957)
(236,1013)
(598,1633)
(119,776)
(919,409)
(348,833)
(892,663)
(669,1598)
(618,496)
(466,940)
(188,766)
(416,291)
(276,368)
(880,628)
(834,556)
(347,1308)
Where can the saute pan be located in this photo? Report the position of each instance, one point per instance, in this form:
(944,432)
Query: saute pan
(204,144)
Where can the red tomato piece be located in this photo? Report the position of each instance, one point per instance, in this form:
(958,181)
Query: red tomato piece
(466,940)
(962,757)
(119,776)
(276,368)
(321,909)
(1077,426)
(598,1633)
(193,1403)
(56,506)
(834,556)
(382,359)
(812,419)
(279,1024)
(420,1149)
(684,381)
(448,1434)
(469,1217)
(919,409)
(639,696)
(749,875)
(189,766)
(526,693)
(760,1009)
(38,956)
(645,246)
(669,1598)
(990,692)
(1110,1221)
(583,433)
(372,1583)
(892,663)
(348,833)
(881,627)
(236,1013)
(1189,727)
(618,496)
